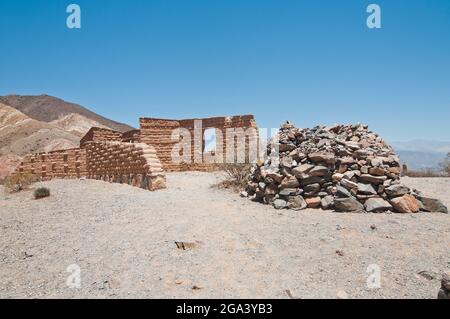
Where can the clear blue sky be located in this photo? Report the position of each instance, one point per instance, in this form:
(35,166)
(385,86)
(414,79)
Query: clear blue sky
(307,61)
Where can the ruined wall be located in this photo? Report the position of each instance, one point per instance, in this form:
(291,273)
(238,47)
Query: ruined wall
(129,163)
(58,164)
(226,145)
(132,136)
(97,134)
(140,157)
(158,133)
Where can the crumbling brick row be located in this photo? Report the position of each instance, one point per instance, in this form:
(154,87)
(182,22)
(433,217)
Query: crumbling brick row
(131,163)
(57,164)
(97,134)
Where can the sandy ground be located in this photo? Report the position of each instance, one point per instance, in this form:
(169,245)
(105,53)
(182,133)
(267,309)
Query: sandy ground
(123,240)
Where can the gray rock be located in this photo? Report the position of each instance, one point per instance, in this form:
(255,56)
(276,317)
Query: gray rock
(353,145)
(270,189)
(342,192)
(275,176)
(366,189)
(302,170)
(279,203)
(328,158)
(312,180)
(327,202)
(319,171)
(290,182)
(349,184)
(397,190)
(349,175)
(372,179)
(286,162)
(349,204)
(286,147)
(363,198)
(376,205)
(377,161)
(432,205)
(337,177)
(296,203)
(289,191)
(312,188)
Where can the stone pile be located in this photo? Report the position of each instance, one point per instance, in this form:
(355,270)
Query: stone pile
(346,168)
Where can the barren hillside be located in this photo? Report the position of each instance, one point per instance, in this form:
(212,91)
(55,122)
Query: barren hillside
(20,134)
(76,124)
(47,108)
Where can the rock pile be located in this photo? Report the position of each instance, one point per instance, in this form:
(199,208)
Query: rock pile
(347,168)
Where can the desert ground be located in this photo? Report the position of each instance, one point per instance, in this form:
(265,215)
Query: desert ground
(124,241)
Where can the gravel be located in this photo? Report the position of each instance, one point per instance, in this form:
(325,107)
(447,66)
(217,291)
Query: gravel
(126,241)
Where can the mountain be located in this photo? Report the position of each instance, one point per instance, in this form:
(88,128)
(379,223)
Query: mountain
(76,124)
(421,160)
(46,108)
(422,154)
(20,134)
(423,146)
(8,164)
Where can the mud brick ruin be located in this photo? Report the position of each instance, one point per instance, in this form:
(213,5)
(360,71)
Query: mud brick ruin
(139,157)
(159,133)
(59,164)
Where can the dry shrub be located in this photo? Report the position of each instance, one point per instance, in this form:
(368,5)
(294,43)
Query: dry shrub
(446,165)
(446,168)
(237,176)
(19,182)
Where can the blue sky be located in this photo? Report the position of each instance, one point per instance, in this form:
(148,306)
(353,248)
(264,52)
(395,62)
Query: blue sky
(310,61)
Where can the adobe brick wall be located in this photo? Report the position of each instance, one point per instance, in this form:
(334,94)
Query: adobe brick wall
(158,133)
(139,157)
(131,136)
(97,134)
(128,163)
(58,164)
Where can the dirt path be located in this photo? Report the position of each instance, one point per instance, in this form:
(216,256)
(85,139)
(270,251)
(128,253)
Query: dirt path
(123,240)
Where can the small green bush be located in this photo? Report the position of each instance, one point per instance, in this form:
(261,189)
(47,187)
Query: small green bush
(41,192)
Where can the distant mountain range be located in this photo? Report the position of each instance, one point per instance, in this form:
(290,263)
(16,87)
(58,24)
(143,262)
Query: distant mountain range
(422,154)
(46,108)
